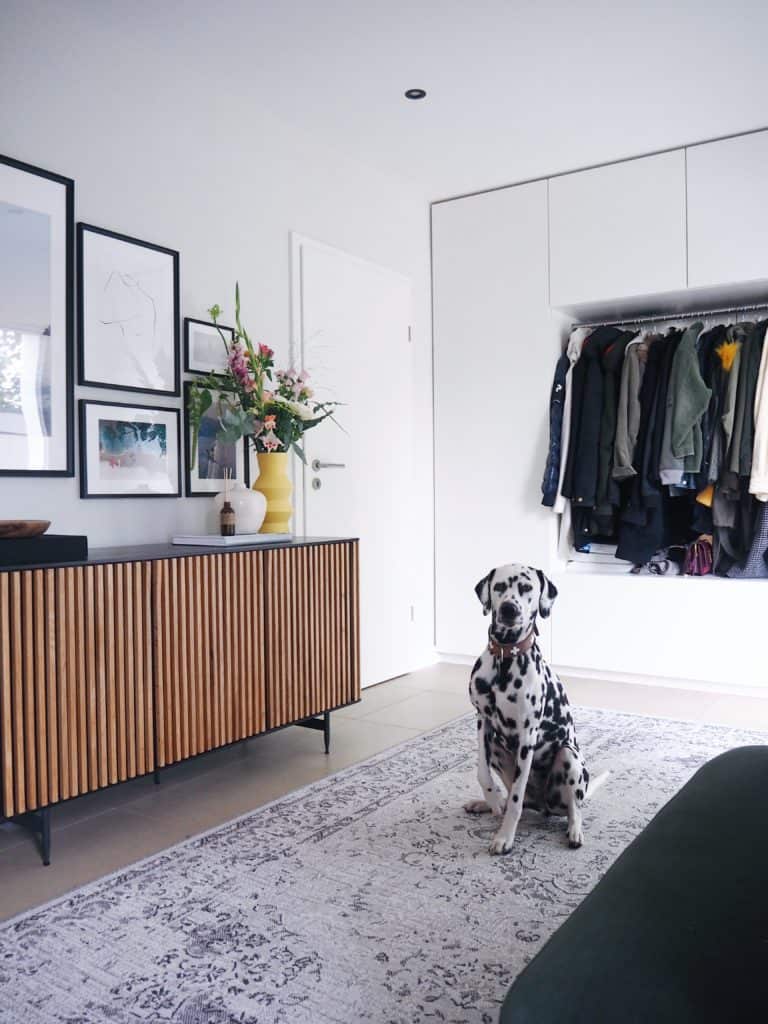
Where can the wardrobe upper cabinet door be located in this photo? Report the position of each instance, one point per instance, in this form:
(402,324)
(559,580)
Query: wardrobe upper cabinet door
(728,211)
(618,231)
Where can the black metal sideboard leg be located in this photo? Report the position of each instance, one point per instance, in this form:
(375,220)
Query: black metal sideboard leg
(39,824)
(45,835)
(156,776)
(323,723)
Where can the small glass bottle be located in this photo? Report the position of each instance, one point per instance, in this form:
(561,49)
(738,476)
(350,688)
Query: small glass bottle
(227,520)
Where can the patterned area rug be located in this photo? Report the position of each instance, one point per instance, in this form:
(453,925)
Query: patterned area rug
(368,896)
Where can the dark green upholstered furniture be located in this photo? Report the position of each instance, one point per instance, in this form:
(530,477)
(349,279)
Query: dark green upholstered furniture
(677,930)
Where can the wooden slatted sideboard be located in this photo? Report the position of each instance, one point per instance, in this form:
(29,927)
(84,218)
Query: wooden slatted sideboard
(143,657)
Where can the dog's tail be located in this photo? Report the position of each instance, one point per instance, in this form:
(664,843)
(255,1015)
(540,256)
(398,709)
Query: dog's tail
(596,783)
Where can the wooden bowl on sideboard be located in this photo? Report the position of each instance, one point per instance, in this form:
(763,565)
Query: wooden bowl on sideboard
(18,529)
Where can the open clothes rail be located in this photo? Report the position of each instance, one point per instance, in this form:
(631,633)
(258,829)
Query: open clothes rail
(659,441)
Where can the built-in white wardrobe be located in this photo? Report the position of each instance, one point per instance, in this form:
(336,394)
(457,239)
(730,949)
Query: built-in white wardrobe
(495,345)
(512,269)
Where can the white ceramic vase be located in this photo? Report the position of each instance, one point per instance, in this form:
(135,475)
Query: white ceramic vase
(250,508)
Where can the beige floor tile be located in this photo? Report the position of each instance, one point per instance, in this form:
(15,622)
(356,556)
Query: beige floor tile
(80,853)
(10,835)
(188,810)
(380,696)
(79,809)
(639,699)
(744,712)
(670,702)
(351,740)
(283,765)
(443,678)
(425,710)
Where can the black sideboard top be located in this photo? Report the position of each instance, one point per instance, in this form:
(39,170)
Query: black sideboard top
(153,552)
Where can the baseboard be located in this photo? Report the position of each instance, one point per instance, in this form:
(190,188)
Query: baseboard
(632,679)
(700,685)
(423,661)
(455,659)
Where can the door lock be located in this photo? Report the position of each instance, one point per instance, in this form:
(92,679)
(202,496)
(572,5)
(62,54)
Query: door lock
(317,483)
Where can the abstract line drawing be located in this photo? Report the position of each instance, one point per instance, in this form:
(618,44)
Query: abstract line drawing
(129,326)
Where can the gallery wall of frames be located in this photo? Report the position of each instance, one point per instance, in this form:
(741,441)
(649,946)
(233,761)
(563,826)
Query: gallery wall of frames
(119,298)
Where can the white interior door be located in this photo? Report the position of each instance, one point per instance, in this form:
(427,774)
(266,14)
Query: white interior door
(351,320)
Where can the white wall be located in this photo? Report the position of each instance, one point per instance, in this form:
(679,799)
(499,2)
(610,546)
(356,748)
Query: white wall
(172,152)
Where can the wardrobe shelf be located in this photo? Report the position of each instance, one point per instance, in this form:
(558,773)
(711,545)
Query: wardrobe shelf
(583,569)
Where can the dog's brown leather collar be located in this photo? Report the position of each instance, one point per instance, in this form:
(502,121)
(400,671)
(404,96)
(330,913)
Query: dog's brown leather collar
(511,650)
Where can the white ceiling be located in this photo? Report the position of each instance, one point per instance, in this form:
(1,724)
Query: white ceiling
(516,88)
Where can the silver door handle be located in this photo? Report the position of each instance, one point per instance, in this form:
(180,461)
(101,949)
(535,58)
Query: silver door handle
(318,465)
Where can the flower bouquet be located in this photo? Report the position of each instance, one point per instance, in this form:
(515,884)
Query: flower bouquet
(273,409)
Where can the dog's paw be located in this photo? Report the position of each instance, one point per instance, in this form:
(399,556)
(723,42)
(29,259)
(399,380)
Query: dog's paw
(575,836)
(477,807)
(500,845)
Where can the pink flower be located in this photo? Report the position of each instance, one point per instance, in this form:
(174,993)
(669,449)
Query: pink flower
(269,422)
(270,442)
(268,396)
(265,351)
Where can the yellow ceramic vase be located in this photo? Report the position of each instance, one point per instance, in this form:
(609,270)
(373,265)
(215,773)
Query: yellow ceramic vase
(275,484)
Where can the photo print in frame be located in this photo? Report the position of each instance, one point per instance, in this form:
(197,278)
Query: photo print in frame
(204,349)
(215,458)
(37,229)
(129,451)
(128,329)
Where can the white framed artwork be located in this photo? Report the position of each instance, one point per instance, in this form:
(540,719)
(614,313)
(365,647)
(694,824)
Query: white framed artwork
(129,451)
(36,321)
(204,348)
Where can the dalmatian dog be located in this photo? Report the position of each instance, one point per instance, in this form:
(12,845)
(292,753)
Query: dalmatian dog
(526,736)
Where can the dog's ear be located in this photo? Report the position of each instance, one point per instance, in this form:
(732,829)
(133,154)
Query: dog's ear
(548,594)
(483,591)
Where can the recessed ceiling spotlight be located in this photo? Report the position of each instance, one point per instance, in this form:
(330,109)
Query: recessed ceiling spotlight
(415,94)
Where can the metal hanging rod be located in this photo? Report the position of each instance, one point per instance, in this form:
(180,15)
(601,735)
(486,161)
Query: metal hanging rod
(671,317)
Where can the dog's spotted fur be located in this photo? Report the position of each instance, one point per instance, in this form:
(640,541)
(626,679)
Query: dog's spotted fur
(526,735)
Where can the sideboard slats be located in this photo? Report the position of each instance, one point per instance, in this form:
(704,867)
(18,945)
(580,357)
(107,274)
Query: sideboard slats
(311,629)
(6,708)
(109,670)
(209,652)
(75,682)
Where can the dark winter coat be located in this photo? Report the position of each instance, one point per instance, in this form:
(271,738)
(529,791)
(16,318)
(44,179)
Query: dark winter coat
(581,471)
(641,528)
(551,479)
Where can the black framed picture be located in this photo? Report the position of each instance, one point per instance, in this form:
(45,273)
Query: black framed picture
(215,459)
(128,298)
(204,349)
(37,227)
(129,451)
